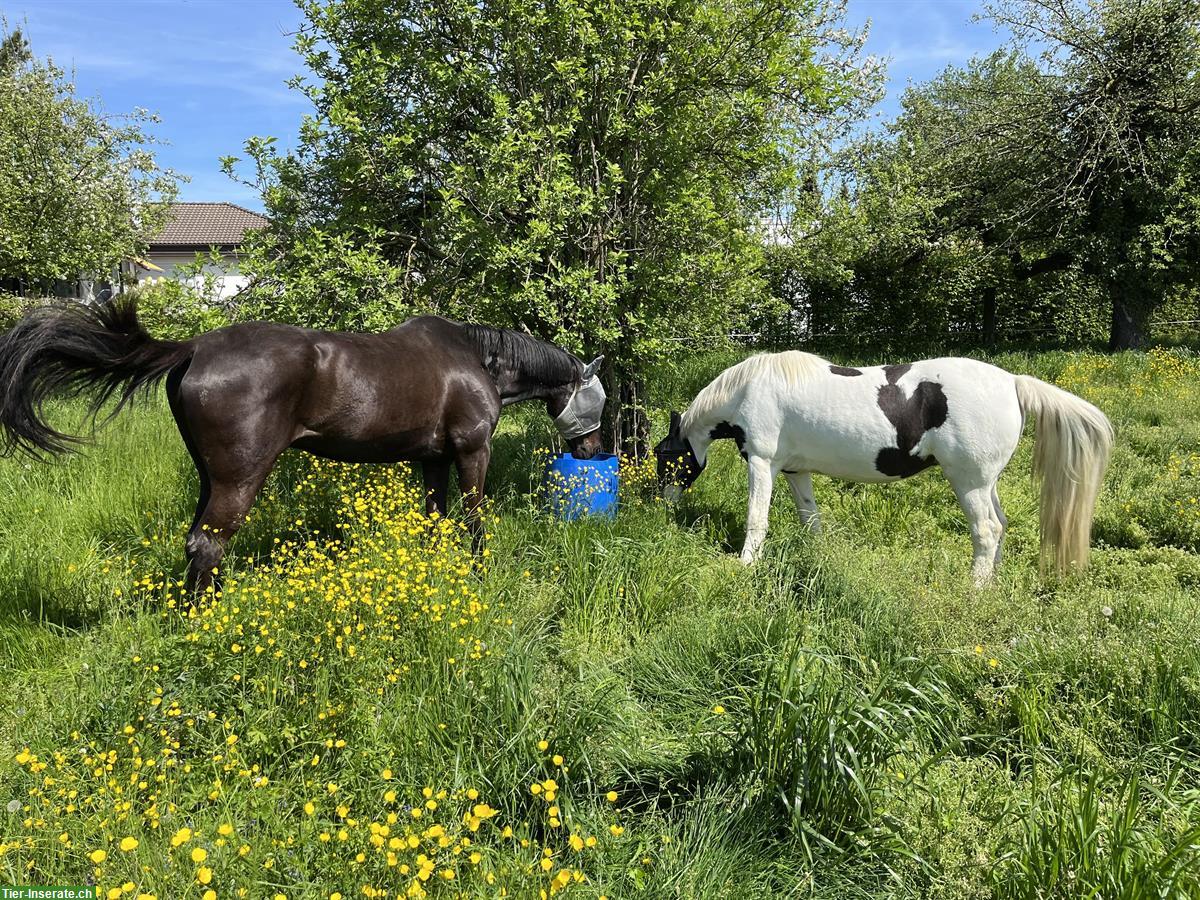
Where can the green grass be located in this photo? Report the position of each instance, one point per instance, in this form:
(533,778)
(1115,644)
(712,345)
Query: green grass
(847,718)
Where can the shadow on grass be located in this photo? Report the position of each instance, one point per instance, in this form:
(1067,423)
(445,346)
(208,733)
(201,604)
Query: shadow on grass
(720,524)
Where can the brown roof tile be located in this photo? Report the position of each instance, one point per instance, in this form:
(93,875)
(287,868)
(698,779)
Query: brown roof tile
(207,223)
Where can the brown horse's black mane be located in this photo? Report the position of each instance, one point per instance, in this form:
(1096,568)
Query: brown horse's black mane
(534,359)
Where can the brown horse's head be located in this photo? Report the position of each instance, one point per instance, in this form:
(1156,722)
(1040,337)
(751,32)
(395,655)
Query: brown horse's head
(576,410)
(586,446)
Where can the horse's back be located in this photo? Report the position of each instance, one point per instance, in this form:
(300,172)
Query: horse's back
(879,423)
(980,414)
(365,397)
(259,359)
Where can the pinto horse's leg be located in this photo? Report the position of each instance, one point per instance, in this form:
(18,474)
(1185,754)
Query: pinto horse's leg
(802,491)
(472,475)
(761,477)
(986,527)
(436,475)
(1003,520)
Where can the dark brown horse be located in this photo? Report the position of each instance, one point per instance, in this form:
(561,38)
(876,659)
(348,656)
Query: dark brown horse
(429,391)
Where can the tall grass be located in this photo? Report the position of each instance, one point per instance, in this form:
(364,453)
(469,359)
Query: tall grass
(1093,834)
(822,738)
(605,708)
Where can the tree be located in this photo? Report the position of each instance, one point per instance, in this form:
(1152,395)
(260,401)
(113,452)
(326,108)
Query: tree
(14,53)
(892,248)
(1039,184)
(593,171)
(1076,148)
(79,191)
(1117,143)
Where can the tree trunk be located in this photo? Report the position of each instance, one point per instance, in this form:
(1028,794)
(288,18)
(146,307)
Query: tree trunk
(989,316)
(1130,323)
(626,426)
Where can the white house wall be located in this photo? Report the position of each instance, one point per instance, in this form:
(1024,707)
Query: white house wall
(226,278)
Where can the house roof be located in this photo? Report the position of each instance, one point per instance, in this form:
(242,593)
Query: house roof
(204,224)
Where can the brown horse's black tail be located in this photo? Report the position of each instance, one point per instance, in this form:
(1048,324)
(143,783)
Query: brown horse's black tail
(68,349)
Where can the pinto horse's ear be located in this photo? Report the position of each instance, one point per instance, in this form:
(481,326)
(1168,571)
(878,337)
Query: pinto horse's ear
(592,368)
(676,422)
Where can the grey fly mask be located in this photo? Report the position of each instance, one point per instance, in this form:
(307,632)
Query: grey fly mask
(582,412)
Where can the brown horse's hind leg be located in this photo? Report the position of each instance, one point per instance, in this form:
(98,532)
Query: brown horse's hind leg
(436,475)
(201,555)
(217,521)
(472,475)
(173,398)
(234,452)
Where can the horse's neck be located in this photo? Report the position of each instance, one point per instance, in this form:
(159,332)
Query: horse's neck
(517,383)
(523,367)
(699,435)
(513,390)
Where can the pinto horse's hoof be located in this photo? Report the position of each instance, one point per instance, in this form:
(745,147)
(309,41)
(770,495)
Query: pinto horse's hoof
(980,581)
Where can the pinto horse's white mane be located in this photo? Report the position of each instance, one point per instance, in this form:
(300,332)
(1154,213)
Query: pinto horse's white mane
(789,367)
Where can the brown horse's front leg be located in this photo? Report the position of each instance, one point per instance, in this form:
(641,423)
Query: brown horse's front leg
(472,474)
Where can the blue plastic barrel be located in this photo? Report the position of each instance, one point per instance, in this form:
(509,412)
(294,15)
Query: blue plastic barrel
(581,487)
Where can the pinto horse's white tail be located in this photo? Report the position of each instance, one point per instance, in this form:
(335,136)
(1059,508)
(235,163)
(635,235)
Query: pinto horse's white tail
(1074,440)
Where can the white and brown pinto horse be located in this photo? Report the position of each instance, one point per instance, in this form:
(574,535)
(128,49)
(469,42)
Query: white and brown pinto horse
(795,413)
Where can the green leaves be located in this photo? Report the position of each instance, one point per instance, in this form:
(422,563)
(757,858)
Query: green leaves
(1057,176)
(79,191)
(1094,834)
(589,171)
(825,743)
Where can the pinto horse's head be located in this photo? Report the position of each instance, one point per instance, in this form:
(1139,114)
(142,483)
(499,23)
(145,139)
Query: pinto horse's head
(577,410)
(677,463)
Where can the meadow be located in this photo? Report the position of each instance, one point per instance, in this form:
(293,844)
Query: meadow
(605,709)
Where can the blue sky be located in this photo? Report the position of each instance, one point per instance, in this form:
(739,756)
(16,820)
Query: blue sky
(215,70)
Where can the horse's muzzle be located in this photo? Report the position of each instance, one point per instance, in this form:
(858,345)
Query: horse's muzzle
(586,446)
